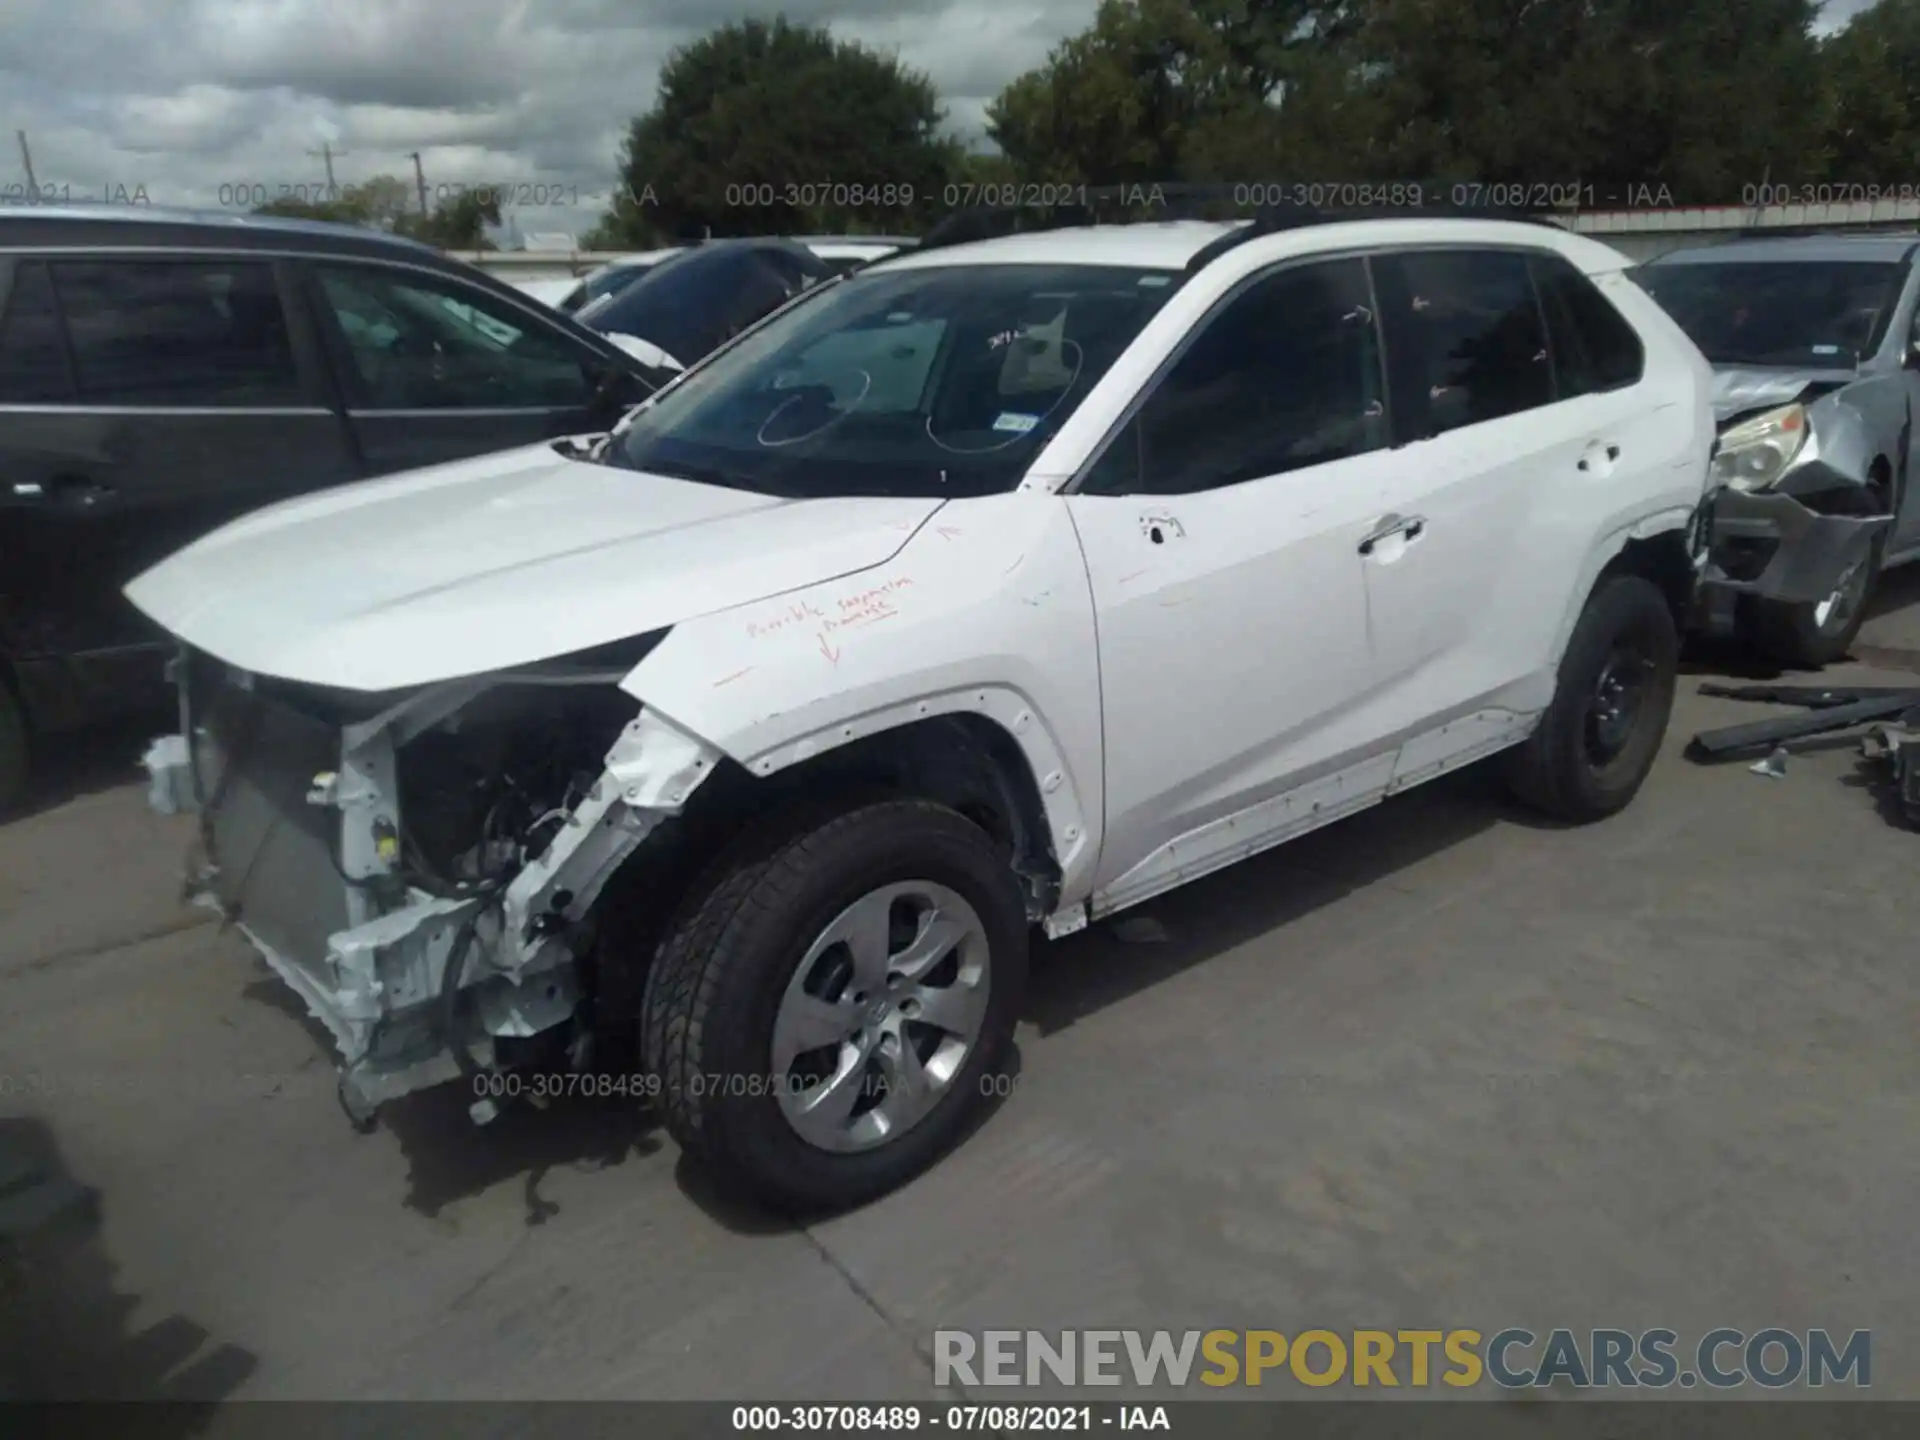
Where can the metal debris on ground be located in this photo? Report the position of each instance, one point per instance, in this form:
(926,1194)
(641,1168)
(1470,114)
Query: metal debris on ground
(1897,747)
(1826,710)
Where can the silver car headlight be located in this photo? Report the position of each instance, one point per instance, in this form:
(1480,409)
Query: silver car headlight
(1754,454)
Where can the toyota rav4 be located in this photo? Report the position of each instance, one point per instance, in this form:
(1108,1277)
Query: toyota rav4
(1007,583)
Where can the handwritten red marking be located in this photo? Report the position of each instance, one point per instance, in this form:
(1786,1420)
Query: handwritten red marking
(1129,579)
(728,680)
(827,650)
(948,532)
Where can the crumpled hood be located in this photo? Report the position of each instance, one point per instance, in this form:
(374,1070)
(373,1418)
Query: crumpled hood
(1739,391)
(505,560)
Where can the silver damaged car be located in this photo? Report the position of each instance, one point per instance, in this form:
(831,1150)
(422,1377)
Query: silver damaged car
(1816,358)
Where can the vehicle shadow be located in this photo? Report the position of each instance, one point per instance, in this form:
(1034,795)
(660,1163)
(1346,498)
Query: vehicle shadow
(1163,938)
(85,762)
(67,1333)
(449,1158)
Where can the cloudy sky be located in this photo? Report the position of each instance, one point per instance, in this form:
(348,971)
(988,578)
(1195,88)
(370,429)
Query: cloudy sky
(217,102)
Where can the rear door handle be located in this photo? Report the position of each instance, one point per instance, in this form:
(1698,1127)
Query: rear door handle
(1612,452)
(1410,526)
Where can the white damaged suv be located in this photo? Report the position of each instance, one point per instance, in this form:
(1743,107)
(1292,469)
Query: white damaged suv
(1006,583)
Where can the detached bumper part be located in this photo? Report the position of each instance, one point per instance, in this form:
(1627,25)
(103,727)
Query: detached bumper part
(1772,546)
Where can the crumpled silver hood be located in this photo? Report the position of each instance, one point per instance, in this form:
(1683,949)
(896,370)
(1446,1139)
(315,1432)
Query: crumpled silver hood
(1739,391)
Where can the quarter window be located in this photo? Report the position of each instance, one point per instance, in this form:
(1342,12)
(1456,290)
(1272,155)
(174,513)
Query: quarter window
(1467,337)
(1594,348)
(418,345)
(178,333)
(33,362)
(1286,376)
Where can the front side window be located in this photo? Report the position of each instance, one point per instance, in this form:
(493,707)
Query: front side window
(33,361)
(178,333)
(1287,375)
(1795,314)
(938,382)
(417,344)
(1469,340)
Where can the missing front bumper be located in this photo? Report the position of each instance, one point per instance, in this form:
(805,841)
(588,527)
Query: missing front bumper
(300,868)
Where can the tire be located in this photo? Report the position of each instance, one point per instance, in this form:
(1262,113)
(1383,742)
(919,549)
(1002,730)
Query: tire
(16,759)
(1578,766)
(1798,635)
(732,959)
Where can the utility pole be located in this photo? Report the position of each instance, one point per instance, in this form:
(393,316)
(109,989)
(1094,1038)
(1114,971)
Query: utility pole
(26,159)
(420,180)
(326,153)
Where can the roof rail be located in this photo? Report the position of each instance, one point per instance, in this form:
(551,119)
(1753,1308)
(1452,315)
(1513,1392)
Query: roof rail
(1144,203)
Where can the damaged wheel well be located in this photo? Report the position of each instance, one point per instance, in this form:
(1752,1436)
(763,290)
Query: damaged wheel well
(965,762)
(1664,560)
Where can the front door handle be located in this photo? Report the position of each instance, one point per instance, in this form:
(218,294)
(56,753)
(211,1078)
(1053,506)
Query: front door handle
(1160,527)
(1410,526)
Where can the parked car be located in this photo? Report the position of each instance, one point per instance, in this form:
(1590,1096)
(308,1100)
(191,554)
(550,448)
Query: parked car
(609,279)
(693,301)
(162,373)
(1000,584)
(846,253)
(1816,353)
(549,292)
(842,253)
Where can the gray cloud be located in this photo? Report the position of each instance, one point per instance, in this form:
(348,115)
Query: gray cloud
(213,102)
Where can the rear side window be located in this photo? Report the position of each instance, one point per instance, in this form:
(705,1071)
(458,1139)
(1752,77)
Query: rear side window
(33,362)
(418,343)
(1466,338)
(178,333)
(1594,348)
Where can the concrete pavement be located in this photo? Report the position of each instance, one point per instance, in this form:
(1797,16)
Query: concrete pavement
(1436,1066)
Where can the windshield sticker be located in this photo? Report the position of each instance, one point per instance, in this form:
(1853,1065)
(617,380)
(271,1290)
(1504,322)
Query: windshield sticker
(1154,280)
(1826,349)
(1014,422)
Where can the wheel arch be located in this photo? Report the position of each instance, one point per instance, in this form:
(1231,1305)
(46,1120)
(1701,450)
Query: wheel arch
(1658,548)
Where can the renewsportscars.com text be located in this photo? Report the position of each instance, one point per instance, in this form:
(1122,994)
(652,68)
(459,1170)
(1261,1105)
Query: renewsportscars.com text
(1511,1359)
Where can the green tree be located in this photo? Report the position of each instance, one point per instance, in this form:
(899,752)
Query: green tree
(345,210)
(457,223)
(1701,99)
(1872,70)
(1168,90)
(764,127)
(1704,99)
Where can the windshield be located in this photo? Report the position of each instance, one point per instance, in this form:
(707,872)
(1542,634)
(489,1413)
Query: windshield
(936,382)
(1795,314)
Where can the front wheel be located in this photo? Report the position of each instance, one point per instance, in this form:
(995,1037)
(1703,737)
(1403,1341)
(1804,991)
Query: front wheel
(827,1013)
(1819,633)
(1599,737)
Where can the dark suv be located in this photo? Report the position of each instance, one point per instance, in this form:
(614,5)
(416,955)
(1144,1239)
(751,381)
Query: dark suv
(163,372)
